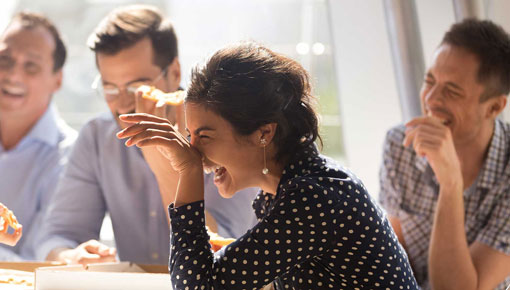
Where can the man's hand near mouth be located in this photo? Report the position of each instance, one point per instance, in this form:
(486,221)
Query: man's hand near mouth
(431,138)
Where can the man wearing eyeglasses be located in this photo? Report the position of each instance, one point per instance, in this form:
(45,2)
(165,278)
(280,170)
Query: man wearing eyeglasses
(34,141)
(134,46)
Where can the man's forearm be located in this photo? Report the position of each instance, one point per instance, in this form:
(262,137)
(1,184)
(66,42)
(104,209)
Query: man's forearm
(167,188)
(450,263)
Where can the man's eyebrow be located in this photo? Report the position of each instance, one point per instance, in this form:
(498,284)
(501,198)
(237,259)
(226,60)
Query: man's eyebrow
(203,128)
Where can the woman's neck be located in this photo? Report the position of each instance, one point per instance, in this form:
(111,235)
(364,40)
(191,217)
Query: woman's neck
(269,182)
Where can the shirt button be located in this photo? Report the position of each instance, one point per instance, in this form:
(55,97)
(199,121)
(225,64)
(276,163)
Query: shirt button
(153,213)
(155,256)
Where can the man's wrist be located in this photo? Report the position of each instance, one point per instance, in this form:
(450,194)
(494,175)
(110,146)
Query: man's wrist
(452,186)
(57,254)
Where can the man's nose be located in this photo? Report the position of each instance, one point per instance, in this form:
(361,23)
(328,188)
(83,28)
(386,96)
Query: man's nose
(126,102)
(433,95)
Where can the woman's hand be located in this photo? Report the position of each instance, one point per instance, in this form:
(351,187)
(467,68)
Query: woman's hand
(148,130)
(5,238)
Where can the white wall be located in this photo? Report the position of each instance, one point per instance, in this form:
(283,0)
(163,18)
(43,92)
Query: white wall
(499,12)
(368,94)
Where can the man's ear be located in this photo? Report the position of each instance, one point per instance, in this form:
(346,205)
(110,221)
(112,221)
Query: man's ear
(266,132)
(173,75)
(496,106)
(58,80)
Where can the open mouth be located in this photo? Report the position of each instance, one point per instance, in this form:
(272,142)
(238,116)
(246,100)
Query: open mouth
(12,91)
(219,172)
(443,117)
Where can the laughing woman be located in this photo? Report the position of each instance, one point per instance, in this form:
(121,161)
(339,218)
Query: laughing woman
(251,119)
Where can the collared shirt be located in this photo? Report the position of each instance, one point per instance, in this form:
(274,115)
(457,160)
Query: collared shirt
(409,191)
(321,230)
(104,175)
(28,175)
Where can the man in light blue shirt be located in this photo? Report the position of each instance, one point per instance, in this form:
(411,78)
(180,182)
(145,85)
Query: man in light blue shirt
(134,45)
(35,142)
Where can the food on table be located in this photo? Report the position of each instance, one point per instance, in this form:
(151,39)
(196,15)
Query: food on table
(15,277)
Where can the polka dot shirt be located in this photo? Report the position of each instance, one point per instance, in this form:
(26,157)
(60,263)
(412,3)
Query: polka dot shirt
(321,230)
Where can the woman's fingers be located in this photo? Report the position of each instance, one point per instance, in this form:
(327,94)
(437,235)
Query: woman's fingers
(139,117)
(143,126)
(150,133)
(160,141)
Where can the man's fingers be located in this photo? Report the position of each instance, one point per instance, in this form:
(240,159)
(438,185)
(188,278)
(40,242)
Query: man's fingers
(423,120)
(409,137)
(424,148)
(88,258)
(424,131)
(11,239)
(95,247)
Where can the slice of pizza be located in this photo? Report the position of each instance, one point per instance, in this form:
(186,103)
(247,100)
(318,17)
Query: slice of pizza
(9,219)
(174,99)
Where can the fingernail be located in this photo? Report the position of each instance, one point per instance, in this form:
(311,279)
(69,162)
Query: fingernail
(128,142)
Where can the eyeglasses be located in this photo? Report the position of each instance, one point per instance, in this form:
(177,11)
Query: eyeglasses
(112,92)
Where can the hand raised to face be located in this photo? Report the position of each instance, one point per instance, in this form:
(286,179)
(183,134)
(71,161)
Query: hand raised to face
(432,139)
(148,130)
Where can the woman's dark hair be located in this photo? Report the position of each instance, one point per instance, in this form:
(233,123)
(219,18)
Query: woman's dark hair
(125,26)
(249,86)
(491,44)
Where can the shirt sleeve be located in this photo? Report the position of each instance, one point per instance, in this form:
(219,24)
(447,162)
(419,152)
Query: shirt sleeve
(496,234)
(7,254)
(77,208)
(293,233)
(389,197)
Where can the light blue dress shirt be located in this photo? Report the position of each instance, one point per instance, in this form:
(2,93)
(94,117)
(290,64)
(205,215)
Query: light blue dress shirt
(28,176)
(103,175)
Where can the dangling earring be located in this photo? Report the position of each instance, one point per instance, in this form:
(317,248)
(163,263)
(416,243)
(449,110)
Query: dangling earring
(265,170)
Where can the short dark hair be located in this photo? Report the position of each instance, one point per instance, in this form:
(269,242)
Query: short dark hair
(249,86)
(125,26)
(31,20)
(491,44)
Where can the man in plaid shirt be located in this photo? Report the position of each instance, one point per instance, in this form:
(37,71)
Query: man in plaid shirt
(445,177)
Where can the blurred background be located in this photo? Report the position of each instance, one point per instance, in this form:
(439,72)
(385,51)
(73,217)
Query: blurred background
(366,58)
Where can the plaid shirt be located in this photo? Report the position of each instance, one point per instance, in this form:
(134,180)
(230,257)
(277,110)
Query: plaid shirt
(409,191)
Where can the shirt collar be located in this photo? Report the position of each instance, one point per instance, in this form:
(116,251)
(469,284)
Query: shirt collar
(495,161)
(299,164)
(46,128)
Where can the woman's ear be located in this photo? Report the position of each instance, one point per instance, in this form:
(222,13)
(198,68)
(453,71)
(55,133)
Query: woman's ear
(266,132)
(496,106)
